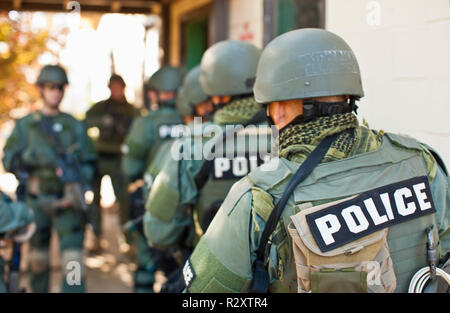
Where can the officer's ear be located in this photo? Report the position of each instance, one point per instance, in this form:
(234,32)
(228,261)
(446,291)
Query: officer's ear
(277,111)
(284,112)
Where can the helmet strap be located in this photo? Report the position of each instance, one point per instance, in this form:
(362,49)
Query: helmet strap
(313,108)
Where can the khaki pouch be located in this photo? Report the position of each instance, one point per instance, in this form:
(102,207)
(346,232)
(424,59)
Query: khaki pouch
(364,265)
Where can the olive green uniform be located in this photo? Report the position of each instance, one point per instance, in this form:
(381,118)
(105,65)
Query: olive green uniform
(149,259)
(187,192)
(175,201)
(145,137)
(113,120)
(148,140)
(144,148)
(222,261)
(307,65)
(28,142)
(12,217)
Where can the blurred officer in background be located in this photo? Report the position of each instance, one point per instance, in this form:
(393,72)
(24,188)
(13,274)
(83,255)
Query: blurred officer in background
(147,136)
(108,123)
(58,156)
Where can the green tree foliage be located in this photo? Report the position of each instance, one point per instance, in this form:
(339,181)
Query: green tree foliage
(20,47)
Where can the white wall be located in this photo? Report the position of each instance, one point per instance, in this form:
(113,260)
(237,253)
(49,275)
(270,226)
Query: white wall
(246,21)
(403,49)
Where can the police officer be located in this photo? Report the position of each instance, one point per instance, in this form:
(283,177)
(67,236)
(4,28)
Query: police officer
(147,132)
(16,224)
(191,102)
(309,79)
(108,123)
(39,140)
(147,257)
(190,186)
(142,151)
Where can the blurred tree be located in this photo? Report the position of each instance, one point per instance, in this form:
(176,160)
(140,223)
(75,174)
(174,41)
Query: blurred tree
(20,47)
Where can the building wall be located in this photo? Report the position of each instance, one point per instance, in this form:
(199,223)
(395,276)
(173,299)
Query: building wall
(403,49)
(247,21)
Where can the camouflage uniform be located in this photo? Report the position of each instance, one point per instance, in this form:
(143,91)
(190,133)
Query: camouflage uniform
(230,257)
(13,216)
(144,148)
(113,120)
(32,145)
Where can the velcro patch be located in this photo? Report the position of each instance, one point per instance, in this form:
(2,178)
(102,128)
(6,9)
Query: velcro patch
(371,211)
(237,167)
(188,273)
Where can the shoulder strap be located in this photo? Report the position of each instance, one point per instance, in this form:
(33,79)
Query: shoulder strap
(202,176)
(260,281)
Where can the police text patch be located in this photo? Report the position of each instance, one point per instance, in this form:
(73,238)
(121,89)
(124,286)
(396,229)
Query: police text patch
(371,211)
(237,167)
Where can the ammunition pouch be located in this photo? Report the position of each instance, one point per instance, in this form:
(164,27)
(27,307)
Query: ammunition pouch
(364,265)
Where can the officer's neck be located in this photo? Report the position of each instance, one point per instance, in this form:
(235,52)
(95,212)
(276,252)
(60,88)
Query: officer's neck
(50,111)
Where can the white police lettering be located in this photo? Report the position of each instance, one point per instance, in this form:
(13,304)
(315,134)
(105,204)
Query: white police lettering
(387,205)
(221,165)
(358,225)
(371,211)
(171,131)
(421,196)
(230,168)
(328,225)
(240,167)
(253,162)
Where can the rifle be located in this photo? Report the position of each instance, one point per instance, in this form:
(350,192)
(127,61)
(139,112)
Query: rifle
(136,208)
(133,225)
(70,175)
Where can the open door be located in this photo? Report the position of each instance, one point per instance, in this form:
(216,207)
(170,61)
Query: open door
(195,42)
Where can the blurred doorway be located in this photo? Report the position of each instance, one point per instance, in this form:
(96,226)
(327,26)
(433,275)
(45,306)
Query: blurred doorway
(194,28)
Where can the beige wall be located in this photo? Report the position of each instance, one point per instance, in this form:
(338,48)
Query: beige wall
(403,47)
(246,21)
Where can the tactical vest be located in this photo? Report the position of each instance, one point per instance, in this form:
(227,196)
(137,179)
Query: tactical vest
(114,123)
(168,125)
(398,159)
(240,154)
(156,165)
(40,154)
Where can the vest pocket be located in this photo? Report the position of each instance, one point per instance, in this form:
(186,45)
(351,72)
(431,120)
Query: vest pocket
(363,265)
